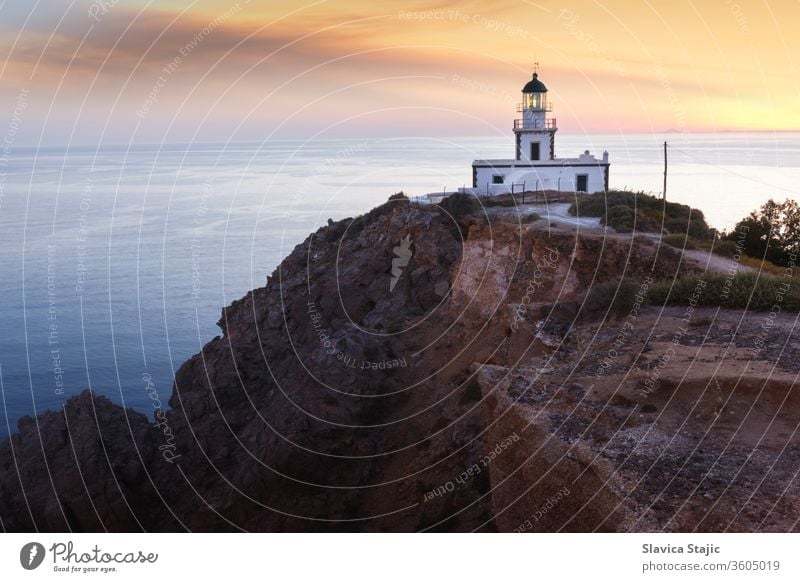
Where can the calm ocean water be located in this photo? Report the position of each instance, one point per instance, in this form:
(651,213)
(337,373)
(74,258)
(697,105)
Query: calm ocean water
(116,263)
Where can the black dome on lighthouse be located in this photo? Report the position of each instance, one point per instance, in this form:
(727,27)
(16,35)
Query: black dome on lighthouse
(534,85)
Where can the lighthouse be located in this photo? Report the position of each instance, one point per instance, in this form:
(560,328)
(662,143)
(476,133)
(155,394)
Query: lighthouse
(535,132)
(535,166)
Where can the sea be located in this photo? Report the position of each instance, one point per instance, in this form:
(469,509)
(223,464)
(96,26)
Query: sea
(115,262)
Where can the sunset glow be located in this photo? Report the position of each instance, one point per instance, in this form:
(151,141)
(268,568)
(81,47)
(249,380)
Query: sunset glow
(220,70)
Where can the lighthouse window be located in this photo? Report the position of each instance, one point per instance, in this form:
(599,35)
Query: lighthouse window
(582,183)
(497,179)
(535,151)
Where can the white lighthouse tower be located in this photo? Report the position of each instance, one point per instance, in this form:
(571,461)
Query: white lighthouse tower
(535,166)
(535,132)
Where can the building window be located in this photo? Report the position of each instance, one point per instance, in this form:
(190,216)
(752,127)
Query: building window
(582,183)
(535,154)
(497,179)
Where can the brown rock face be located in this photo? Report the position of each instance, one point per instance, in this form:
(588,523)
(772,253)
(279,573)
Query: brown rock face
(404,372)
(84,469)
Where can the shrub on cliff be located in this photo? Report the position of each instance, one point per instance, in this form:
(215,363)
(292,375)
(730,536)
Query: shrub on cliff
(758,292)
(679,241)
(648,212)
(621,218)
(615,297)
(725,248)
(459,205)
(693,227)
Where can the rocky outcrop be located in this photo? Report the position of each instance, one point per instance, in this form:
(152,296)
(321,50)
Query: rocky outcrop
(452,382)
(83,469)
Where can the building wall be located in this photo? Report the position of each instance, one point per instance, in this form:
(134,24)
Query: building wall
(563,178)
(545,140)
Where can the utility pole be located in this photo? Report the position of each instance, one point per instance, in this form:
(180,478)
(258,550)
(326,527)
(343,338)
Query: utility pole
(665,172)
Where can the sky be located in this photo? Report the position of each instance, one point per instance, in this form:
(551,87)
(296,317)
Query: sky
(136,71)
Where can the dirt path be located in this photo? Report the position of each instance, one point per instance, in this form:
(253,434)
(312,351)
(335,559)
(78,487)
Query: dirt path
(716,263)
(707,260)
(553,212)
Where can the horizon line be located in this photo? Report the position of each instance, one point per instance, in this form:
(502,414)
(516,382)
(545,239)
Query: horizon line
(308,138)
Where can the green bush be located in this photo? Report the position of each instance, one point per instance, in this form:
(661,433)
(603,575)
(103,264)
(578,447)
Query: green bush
(675,226)
(649,212)
(741,291)
(620,218)
(679,241)
(653,215)
(615,297)
(695,228)
(623,219)
(458,205)
(532,217)
(698,228)
(725,248)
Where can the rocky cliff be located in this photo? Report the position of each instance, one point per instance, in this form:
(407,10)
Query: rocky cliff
(423,369)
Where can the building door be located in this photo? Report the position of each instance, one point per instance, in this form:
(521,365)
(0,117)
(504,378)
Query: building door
(535,151)
(582,183)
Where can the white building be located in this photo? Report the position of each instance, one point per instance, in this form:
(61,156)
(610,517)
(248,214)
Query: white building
(536,167)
